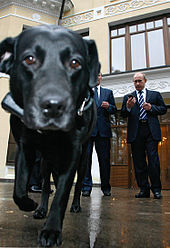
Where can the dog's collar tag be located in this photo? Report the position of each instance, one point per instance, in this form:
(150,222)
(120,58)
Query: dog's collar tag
(81,109)
(84,107)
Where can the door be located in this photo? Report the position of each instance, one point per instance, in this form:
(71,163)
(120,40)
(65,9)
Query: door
(164,150)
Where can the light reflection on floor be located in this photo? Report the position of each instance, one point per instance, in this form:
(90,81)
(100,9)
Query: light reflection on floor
(94,219)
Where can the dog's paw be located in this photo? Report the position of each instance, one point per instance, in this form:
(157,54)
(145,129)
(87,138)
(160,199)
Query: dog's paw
(25,203)
(40,213)
(49,238)
(75,208)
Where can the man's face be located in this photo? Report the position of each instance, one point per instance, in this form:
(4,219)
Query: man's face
(99,78)
(139,81)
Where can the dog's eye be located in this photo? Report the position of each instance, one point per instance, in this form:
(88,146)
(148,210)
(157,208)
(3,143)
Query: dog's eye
(74,64)
(29,60)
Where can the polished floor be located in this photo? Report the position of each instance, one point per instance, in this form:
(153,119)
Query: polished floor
(119,221)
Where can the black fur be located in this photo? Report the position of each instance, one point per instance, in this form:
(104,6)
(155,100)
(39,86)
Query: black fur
(52,71)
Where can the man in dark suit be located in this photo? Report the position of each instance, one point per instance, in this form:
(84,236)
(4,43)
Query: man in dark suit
(142,108)
(100,136)
(35,182)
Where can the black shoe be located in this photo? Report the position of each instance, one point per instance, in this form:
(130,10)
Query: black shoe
(106,193)
(157,195)
(143,194)
(86,193)
(35,189)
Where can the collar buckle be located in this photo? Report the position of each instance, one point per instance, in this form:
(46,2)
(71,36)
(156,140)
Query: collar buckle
(84,106)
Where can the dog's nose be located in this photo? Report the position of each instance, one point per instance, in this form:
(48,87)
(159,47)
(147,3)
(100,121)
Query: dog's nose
(53,108)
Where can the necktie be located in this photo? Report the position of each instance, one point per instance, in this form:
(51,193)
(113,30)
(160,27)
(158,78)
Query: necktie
(143,114)
(96,94)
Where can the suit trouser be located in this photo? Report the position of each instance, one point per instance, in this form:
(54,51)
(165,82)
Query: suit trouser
(143,146)
(36,178)
(102,146)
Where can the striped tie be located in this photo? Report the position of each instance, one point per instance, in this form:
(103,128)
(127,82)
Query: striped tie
(143,114)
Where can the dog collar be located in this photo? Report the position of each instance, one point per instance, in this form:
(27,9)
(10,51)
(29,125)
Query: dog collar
(86,104)
(10,106)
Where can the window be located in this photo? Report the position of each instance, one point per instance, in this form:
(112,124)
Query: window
(118,54)
(84,34)
(119,148)
(140,45)
(138,48)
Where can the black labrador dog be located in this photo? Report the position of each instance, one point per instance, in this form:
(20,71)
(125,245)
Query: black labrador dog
(52,72)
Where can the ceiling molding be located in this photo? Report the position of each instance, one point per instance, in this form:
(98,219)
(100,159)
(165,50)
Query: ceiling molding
(43,6)
(121,84)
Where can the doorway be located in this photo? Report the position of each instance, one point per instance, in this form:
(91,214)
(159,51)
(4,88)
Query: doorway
(122,171)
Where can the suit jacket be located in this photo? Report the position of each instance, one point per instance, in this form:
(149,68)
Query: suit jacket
(158,108)
(103,126)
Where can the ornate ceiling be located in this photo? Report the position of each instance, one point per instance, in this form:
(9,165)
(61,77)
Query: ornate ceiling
(46,6)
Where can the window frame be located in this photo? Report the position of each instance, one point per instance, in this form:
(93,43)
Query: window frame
(128,59)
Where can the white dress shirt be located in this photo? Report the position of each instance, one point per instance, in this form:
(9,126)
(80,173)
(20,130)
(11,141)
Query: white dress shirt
(98,90)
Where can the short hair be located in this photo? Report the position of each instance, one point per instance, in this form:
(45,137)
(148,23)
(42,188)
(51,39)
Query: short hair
(144,75)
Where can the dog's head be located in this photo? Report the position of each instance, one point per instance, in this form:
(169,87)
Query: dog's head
(51,70)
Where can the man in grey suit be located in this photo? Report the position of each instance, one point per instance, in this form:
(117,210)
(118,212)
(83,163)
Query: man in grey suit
(100,136)
(142,108)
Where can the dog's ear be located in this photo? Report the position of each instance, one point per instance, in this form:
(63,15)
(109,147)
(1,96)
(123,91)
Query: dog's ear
(6,54)
(93,61)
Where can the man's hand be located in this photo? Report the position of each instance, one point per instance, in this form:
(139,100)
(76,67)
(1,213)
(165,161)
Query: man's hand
(130,102)
(105,105)
(147,106)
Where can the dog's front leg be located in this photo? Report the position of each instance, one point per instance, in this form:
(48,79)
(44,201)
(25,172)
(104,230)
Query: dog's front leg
(20,195)
(41,211)
(51,233)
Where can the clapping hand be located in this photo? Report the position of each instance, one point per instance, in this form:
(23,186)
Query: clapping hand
(105,105)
